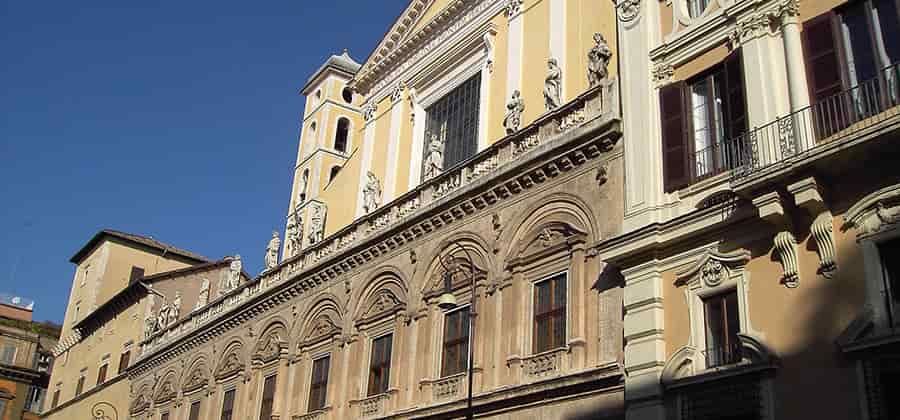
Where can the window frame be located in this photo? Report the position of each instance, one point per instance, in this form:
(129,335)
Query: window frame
(732,346)
(459,90)
(313,385)
(126,358)
(79,385)
(370,392)
(264,399)
(15,352)
(102,373)
(195,403)
(225,391)
(464,342)
(337,133)
(566,275)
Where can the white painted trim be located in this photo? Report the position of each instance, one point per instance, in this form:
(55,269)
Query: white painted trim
(514,47)
(389,177)
(558,38)
(418,143)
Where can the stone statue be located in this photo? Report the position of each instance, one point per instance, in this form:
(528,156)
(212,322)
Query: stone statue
(234,272)
(598,60)
(272,251)
(514,110)
(317,224)
(371,193)
(175,309)
(294,233)
(553,85)
(162,318)
(203,298)
(434,159)
(149,326)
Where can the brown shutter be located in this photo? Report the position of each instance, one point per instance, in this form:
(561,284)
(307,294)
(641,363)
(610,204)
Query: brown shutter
(736,103)
(674,136)
(823,64)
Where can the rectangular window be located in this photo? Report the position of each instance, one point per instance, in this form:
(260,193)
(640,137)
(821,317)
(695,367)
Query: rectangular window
(79,387)
(702,120)
(268,397)
(380,368)
(890,262)
(137,273)
(55,400)
(456,342)
(8,355)
(453,122)
(194,414)
(550,313)
(124,360)
(164,416)
(318,388)
(722,328)
(227,405)
(101,374)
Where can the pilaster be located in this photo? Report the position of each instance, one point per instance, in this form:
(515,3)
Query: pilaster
(645,350)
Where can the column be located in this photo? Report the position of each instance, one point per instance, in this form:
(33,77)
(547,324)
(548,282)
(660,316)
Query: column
(389,178)
(645,350)
(417,114)
(578,293)
(793,55)
(282,388)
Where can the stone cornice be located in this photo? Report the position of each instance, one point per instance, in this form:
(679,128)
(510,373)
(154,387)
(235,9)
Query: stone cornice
(476,188)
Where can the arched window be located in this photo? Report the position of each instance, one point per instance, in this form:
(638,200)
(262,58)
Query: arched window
(340,135)
(697,7)
(334,172)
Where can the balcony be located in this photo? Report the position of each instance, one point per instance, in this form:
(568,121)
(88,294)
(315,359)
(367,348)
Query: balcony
(867,108)
(723,355)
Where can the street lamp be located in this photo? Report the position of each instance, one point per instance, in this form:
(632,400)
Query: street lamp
(447,301)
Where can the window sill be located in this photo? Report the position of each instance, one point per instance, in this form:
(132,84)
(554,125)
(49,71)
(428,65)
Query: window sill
(319,414)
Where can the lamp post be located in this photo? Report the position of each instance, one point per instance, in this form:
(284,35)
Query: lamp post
(447,301)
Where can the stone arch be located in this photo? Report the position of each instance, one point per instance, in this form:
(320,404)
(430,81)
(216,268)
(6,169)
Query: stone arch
(272,343)
(482,264)
(197,374)
(555,219)
(232,361)
(681,364)
(322,320)
(385,292)
(167,388)
(141,400)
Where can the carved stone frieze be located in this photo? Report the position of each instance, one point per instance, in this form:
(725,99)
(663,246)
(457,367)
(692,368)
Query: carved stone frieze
(196,379)
(230,365)
(270,347)
(166,391)
(139,404)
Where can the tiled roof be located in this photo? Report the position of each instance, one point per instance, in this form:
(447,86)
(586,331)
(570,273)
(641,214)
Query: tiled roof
(137,239)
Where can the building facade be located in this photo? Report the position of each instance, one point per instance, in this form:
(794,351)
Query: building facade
(477,152)
(758,253)
(25,359)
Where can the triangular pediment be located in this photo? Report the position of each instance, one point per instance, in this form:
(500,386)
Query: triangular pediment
(407,23)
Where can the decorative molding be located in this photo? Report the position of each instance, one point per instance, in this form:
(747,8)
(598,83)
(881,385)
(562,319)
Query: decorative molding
(447,388)
(513,8)
(488,39)
(231,364)
(712,269)
(166,391)
(822,231)
(874,213)
(368,110)
(397,93)
(270,347)
(785,250)
(662,73)
(628,10)
(544,364)
(196,379)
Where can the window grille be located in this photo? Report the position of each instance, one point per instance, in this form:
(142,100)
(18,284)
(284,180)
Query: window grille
(454,120)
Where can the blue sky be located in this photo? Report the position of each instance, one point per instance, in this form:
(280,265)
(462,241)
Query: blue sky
(176,119)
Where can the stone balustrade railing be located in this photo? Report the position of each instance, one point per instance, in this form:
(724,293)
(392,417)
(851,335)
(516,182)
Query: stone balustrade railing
(600,102)
(544,364)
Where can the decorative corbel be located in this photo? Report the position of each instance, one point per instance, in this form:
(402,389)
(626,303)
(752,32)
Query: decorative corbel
(628,10)
(488,39)
(662,73)
(771,209)
(513,8)
(807,195)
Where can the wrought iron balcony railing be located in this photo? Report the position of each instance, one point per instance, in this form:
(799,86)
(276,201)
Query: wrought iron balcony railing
(723,355)
(846,113)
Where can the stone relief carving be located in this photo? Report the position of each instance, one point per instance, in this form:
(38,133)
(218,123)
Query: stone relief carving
(230,365)
(822,231)
(368,110)
(602,175)
(232,278)
(497,227)
(397,92)
(513,7)
(662,73)
(317,223)
(875,212)
(294,233)
(514,109)
(598,60)
(434,159)
(203,298)
(786,251)
(552,85)
(371,193)
(140,403)
(270,347)
(713,273)
(384,302)
(166,392)
(196,379)
(322,327)
(628,9)
(272,251)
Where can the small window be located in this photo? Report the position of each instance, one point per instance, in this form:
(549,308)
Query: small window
(312,126)
(319,94)
(333,173)
(318,389)
(137,273)
(455,355)
(55,401)
(195,411)
(550,313)
(268,397)
(164,416)
(380,368)
(79,387)
(228,405)
(347,94)
(697,7)
(124,360)
(722,328)
(8,356)
(304,185)
(341,134)
(101,374)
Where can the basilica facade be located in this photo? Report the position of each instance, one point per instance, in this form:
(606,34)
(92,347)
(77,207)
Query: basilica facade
(556,209)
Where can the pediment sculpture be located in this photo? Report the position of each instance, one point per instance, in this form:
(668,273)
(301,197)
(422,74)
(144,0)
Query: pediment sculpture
(230,365)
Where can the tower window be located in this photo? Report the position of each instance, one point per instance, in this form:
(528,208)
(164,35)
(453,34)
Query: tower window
(340,135)
(347,94)
(334,172)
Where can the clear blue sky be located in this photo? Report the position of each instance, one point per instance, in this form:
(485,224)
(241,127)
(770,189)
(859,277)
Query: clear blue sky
(176,119)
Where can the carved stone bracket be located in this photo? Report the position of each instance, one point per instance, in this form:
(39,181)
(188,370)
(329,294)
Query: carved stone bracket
(808,195)
(786,251)
(662,73)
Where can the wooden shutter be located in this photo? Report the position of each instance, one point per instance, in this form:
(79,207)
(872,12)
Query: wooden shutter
(823,63)
(124,360)
(101,374)
(674,136)
(735,97)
